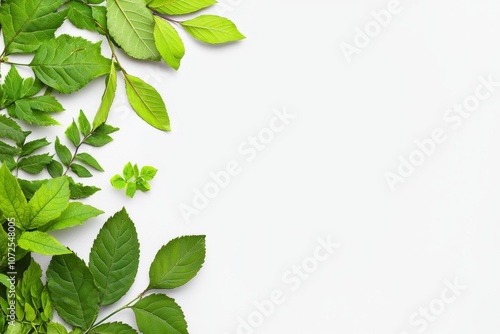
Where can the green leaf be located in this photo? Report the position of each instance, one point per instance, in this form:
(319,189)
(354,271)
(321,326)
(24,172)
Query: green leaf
(55,328)
(177,262)
(147,103)
(80,15)
(179,7)
(114,328)
(28,23)
(13,204)
(99,15)
(89,160)
(73,134)
(30,187)
(35,164)
(32,146)
(72,290)
(212,29)
(118,182)
(13,85)
(75,214)
(8,160)
(11,130)
(169,43)
(48,202)
(47,103)
(131,23)
(148,172)
(55,168)
(80,170)
(63,152)
(107,98)
(41,243)
(21,109)
(159,314)
(84,124)
(79,191)
(131,189)
(8,149)
(143,185)
(114,258)
(100,136)
(128,171)
(69,63)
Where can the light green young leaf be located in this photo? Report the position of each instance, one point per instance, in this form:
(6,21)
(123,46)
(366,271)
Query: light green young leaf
(56,328)
(84,124)
(148,173)
(128,171)
(212,29)
(48,202)
(107,98)
(63,152)
(131,189)
(169,43)
(32,146)
(72,290)
(159,314)
(69,63)
(75,214)
(177,262)
(131,23)
(13,204)
(114,258)
(73,134)
(114,328)
(147,103)
(143,185)
(179,7)
(118,182)
(35,164)
(28,23)
(80,170)
(89,160)
(41,243)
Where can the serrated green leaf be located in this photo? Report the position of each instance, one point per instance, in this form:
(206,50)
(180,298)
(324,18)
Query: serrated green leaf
(13,203)
(131,23)
(212,29)
(84,124)
(55,168)
(35,164)
(169,43)
(47,103)
(13,85)
(80,15)
(118,182)
(11,130)
(177,262)
(41,243)
(73,291)
(63,152)
(99,15)
(48,202)
(147,103)
(8,149)
(28,23)
(107,98)
(80,170)
(114,328)
(179,7)
(89,160)
(75,214)
(73,134)
(32,146)
(8,160)
(69,63)
(79,191)
(159,314)
(114,258)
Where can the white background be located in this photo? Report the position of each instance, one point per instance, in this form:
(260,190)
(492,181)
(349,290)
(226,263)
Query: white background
(323,175)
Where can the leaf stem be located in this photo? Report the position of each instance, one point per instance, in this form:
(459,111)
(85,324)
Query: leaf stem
(76,151)
(165,17)
(118,310)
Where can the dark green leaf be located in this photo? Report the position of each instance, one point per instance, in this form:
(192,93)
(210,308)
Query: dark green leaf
(80,170)
(89,160)
(35,164)
(55,168)
(84,124)
(63,152)
(79,191)
(11,130)
(100,136)
(32,146)
(159,314)
(9,150)
(73,134)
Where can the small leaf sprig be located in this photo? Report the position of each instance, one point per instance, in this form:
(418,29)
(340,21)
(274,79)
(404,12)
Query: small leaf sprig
(134,179)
